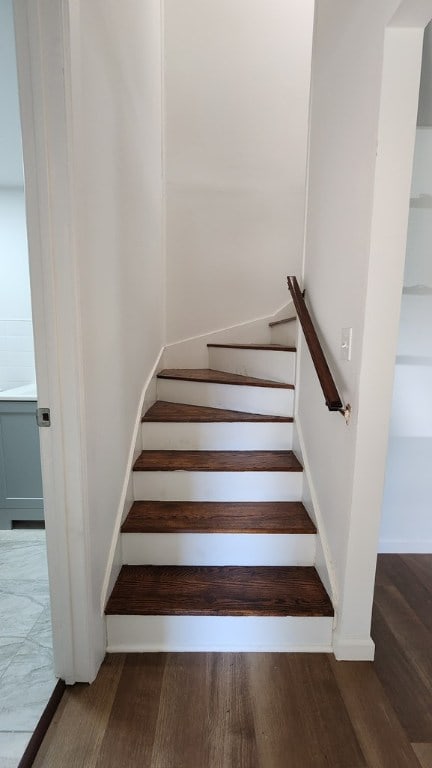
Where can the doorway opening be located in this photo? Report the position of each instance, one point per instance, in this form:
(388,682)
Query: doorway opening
(406,524)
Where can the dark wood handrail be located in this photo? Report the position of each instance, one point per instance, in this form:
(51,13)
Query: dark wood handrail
(331,395)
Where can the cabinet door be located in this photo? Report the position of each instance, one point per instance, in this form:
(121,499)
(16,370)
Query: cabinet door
(20,469)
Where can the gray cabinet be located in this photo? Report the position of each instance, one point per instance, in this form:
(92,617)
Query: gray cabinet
(20,469)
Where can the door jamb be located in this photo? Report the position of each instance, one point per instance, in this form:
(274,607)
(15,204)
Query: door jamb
(44,37)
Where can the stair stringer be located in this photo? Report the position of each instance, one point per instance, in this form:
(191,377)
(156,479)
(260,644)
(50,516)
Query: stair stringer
(115,557)
(193,353)
(323,559)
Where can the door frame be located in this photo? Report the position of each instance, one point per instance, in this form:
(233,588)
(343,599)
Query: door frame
(45,32)
(402,56)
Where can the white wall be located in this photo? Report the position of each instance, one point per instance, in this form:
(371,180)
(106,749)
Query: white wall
(118,244)
(406,524)
(16,332)
(11,166)
(418,264)
(425,100)
(14,282)
(347,463)
(236,92)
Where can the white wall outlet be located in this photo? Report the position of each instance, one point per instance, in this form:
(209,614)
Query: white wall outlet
(346,341)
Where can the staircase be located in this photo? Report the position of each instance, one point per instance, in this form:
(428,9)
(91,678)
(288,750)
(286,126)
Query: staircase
(218,549)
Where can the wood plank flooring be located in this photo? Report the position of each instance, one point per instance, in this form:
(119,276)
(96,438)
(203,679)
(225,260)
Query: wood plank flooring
(218,517)
(217,461)
(264,710)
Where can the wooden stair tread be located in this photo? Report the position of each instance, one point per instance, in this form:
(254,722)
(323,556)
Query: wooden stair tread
(218,517)
(219,591)
(283,321)
(259,347)
(208,375)
(217,461)
(163,411)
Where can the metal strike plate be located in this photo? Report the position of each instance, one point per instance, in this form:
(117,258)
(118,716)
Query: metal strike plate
(43,417)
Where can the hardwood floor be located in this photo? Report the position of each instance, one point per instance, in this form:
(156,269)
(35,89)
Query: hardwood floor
(265,710)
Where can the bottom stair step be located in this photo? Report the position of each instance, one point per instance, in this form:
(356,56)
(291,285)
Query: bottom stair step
(219,591)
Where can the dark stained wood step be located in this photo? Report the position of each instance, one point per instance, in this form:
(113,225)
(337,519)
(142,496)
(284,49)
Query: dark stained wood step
(208,375)
(283,321)
(218,517)
(217,461)
(219,591)
(260,347)
(163,411)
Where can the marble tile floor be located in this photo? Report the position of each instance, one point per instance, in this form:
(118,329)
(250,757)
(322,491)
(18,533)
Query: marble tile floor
(26,672)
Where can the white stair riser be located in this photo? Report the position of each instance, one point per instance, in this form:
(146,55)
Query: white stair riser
(263,364)
(215,436)
(266,400)
(218,549)
(284,334)
(219,633)
(217,486)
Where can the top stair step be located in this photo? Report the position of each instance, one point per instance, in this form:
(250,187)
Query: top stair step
(258,347)
(211,376)
(284,321)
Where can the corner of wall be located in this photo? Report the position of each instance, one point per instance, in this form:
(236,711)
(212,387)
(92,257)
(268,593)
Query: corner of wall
(353,648)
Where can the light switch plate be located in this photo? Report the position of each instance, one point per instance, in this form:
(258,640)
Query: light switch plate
(346,342)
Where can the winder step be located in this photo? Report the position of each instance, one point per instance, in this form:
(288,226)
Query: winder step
(208,375)
(218,517)
(176,412)
(219,591)
(259,347)
(217,461)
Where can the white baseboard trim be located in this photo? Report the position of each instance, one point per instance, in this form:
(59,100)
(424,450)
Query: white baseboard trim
(353,648)
(114,558)
(405,546)
(214,648)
